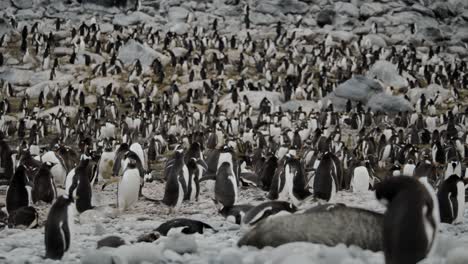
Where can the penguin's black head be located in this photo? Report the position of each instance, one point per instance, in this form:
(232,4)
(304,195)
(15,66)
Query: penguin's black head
(388,189)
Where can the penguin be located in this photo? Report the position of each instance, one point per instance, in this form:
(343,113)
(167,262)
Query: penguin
(326,178)
(226,185)
(451,197)
(410,229)
(174,189)
(129,185)
(290,182)
(19,191)
(80,187)
(59,227)
(361,179)
(44,187)
(265,210)
(25,216)
(187,226)
(235,214)
(268,171)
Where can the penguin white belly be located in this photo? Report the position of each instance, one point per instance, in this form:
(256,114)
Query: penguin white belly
(128,190)
(290,184)
(461,203)
(136,147)
(408,170)
(59,174)
(180,195)
(69,181)
(105,165)
(361,179)
(233,180)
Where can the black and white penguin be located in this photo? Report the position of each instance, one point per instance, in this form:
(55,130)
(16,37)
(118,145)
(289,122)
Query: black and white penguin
(129,186)
(6,162)
(235,214)
(268,171)
(24,217)
(361,179)
(265,210)
(186,226)
(289,182)
(44,186)
(59,227)
(226,185)
(451,196)
(80,187)
(174,189)
(326,178)
(19,191)
(410,229)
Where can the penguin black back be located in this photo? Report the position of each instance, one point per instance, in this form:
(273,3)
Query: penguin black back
(57,228)
(18,194)
(409,227)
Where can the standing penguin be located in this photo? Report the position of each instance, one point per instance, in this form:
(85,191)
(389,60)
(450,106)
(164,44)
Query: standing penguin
(81,183)
(226,185)
(361,179)
(326,178)
(19,191)
(409,229)
(174,190)
(451,196)
(44,186)
(129,185)
(59,227)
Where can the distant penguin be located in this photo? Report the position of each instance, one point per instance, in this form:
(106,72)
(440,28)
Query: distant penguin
(451,196)
(44,186)
(19,191)
(267,209)
(129,185)
(59,227)
(326,178)
(410,229)
(226,185)
(24,217)
(187,226)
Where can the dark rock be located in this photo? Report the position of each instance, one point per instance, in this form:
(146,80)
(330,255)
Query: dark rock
(325,17)
(148,238)
(443,10)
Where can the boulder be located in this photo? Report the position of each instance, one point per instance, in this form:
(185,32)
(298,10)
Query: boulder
(358,88)
(347,9)
(133,50)
(325,17)
(22,4)
(387,72)
(177,14)
(389,104)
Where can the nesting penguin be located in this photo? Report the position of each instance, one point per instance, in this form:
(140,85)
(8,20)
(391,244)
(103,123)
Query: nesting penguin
(59,227)
(410,229)
(451,196)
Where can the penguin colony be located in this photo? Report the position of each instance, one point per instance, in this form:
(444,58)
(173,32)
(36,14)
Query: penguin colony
(194,115)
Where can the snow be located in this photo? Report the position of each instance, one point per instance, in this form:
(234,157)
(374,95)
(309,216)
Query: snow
(220,247)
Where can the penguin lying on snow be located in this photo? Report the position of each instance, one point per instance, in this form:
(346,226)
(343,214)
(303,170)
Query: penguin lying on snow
(410,228)
(328,226)
(59,227)
(265,210)
(187,226)
(451,197)
(236,213)
(25,216)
